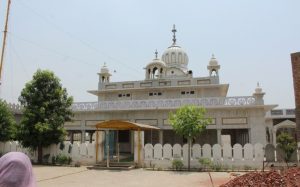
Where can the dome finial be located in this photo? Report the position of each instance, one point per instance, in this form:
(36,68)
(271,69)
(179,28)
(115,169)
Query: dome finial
(174,34)
(156,53)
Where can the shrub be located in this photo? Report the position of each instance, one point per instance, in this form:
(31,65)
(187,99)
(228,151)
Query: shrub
(63,159)
(288,144)
(177,165)
(205,163)
(246,167)
(216,167)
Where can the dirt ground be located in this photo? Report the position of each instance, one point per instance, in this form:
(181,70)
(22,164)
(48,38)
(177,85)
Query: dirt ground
(48,176)
(288,178)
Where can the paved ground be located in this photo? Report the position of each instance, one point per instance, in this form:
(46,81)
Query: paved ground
(80,177)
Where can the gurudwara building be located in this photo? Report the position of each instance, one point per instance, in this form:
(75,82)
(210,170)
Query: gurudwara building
(168,85)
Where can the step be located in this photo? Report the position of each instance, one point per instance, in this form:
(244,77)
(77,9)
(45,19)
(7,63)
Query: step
(111,167)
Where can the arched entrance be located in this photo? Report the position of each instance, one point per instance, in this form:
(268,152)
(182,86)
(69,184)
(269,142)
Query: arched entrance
(287,124)
(105,141)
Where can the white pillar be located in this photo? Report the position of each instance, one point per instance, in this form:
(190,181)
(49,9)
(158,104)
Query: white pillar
(219,136)
(101,136)
(274,137)
(136,137)
(161,137)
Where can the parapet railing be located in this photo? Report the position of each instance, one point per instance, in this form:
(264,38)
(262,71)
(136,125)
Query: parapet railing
(163,103)
(15,108)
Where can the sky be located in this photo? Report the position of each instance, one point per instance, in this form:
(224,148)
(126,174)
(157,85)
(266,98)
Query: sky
(251,39)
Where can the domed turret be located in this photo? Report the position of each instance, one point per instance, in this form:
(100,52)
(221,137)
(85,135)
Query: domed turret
(104,74)
(213,66)
(175,56)
(156,68)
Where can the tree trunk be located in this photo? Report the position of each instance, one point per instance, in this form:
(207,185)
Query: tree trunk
(40,154)
(189,154)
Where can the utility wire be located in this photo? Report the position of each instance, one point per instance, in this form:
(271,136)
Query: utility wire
(50,50)
(85,43)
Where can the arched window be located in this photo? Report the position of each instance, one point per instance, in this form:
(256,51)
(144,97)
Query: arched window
(155,72)
(214,72)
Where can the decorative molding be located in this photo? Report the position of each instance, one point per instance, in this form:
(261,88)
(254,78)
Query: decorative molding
(164,104)
(111,86)
(186,82)
(73,123)
(203,81)
(234,121)
(152,122)
(165,83)
(128,85)
(92,122)
(146,84)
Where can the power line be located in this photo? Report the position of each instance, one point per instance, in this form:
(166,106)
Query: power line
(85,43)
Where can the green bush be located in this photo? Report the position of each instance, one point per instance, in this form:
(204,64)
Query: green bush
(177,165)
(216,167)
(205,163)
(62,159)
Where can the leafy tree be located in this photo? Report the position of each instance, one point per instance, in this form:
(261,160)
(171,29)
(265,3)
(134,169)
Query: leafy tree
(46,108)
(7,123)
(189,121)
(288,144)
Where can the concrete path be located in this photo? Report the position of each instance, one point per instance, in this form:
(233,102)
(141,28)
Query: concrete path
(80,177)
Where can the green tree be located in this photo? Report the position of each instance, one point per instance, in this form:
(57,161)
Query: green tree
(7,123)
(189,121)
(288,144)
(46,109)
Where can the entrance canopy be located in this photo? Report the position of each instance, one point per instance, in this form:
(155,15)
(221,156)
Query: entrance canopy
(124,125)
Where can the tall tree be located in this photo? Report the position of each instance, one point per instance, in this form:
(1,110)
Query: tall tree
(7,123)
(189,121)
(46,109)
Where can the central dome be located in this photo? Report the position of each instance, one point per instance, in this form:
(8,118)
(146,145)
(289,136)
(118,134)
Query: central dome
(175,56)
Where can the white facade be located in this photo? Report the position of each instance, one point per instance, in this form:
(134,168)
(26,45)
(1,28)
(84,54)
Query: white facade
(168,85)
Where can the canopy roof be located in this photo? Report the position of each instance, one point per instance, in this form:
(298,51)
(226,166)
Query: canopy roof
(123,125)
(285,124)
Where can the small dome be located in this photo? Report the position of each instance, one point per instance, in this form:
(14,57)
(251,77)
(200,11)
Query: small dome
(175,56)
(213,61)
(104,69)
(156,62)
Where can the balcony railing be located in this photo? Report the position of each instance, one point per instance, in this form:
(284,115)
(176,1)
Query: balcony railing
(162,103)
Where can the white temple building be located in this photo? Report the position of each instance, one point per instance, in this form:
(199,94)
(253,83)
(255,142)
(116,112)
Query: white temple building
(168,85)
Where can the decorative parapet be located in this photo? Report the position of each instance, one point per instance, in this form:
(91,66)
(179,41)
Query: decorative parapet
(15,108)
(163,103)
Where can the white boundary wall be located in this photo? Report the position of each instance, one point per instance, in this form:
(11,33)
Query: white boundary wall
(236,156)
(162,156)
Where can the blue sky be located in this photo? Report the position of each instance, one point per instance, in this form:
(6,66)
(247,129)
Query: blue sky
(252,41)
